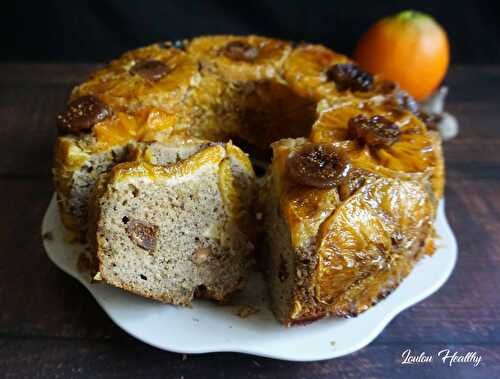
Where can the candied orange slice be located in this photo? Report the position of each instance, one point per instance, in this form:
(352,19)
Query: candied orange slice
(317,165)
(367,233)
(146,125)
(305,209)
(305,69)
(211,156)
(145,77)
(241,57)
(316,72)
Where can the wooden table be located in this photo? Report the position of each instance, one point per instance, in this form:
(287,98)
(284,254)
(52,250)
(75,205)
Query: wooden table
(51,327)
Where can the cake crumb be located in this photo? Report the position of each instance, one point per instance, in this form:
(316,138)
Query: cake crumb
(257,364)
(47,236)
(246,310)
(184,357)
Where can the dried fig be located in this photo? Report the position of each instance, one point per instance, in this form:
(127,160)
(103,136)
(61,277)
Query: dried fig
(240,51)
(81,114)
(350,76)
(152,70)
(376,131)
(143,234)
(318,165)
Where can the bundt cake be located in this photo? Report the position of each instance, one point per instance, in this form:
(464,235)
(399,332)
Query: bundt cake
(346,205)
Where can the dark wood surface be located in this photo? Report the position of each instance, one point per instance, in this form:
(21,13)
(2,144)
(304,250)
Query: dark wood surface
(51,327)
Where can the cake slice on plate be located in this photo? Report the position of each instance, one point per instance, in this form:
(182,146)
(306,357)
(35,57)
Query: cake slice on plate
(175,224)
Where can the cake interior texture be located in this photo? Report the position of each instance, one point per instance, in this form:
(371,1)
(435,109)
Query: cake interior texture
(171,237)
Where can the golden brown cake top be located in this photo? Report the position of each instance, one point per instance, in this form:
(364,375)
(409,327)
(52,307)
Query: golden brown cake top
(170,89)
(162,91)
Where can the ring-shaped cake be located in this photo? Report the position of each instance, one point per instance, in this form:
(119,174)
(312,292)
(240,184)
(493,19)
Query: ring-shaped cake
(145,168)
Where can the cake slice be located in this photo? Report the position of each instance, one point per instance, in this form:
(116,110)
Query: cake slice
(175,223)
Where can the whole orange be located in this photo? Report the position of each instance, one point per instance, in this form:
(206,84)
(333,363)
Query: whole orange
(410,48)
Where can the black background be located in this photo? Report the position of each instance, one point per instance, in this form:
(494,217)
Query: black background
(99,30)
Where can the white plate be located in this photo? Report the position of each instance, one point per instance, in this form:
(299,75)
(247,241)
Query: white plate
(207,327)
